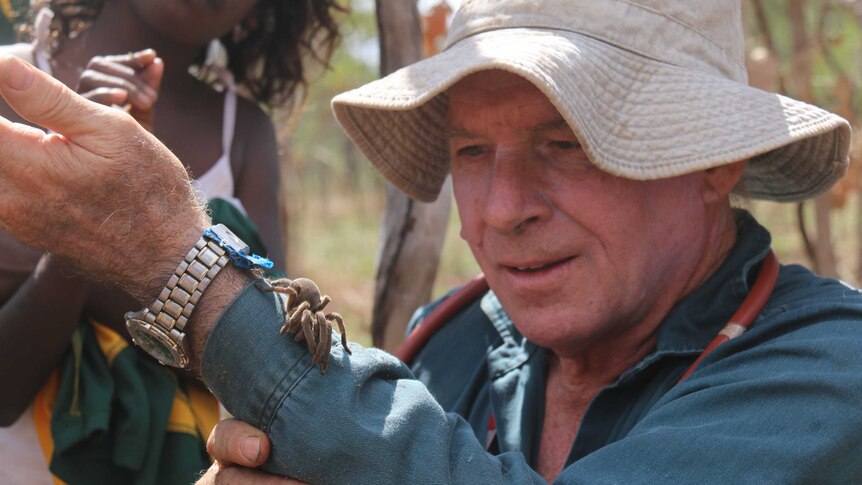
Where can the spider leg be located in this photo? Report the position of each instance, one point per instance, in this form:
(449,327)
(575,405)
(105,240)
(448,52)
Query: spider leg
(294,318)
(291,296)
(300,309)
(324,338)
(295,328)
(315,331)
(289,325)
(274,285)
(282,282)
(325,345)
(295,324)
(341,329)
(307,331)
(324,300)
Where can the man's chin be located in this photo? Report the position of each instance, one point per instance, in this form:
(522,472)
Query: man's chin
(564,333)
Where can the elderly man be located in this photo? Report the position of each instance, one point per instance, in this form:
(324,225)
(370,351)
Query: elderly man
(593,146)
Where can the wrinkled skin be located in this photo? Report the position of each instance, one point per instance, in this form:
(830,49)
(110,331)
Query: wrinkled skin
(87,193)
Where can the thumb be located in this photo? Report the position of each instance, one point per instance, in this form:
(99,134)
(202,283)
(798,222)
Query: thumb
(46,102)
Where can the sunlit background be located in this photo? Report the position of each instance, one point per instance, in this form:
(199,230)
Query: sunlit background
(335,199)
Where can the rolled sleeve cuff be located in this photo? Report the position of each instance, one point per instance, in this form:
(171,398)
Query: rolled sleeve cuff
(247,365)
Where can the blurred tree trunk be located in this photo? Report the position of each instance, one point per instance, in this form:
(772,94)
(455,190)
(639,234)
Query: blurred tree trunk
(824,257)
(412,233)
(351,161)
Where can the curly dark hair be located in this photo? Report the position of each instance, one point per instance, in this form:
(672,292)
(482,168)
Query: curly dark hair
(267,52)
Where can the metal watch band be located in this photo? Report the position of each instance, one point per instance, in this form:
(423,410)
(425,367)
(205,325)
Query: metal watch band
(174,306)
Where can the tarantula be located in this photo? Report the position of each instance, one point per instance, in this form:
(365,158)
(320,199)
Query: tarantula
(305,317)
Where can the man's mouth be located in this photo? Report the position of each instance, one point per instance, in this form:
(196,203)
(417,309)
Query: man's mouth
(535,268)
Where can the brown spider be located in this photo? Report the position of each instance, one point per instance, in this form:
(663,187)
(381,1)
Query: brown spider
(305,317)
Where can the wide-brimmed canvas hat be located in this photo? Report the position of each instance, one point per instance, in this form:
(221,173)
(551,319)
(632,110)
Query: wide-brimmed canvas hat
(651,88)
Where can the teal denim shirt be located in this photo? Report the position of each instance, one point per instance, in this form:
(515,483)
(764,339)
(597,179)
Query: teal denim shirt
(780,404)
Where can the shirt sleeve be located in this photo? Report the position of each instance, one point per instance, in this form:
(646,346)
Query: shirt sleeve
(778,405)
(367,420)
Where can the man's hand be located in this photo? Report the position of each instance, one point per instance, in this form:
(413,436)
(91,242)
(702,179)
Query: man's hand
(238,448)
(102,193)
(130,81)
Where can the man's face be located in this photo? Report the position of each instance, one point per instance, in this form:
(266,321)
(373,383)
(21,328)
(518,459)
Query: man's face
(575,255)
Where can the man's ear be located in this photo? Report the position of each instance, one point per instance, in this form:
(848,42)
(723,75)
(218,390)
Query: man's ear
(719,181)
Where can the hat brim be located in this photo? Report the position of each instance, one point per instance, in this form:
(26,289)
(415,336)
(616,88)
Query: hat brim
(635,117)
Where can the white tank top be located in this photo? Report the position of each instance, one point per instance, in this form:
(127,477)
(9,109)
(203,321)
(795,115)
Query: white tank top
(217,182)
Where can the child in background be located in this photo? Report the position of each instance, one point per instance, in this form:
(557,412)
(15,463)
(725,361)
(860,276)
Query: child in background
(105,413)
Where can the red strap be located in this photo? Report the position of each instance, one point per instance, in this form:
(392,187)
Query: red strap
(747,312)
(437,318)
(742,319)
(492,433)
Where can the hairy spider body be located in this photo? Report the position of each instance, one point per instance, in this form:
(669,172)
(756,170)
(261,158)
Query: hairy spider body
(305,318)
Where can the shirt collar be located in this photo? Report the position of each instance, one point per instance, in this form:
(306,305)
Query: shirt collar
(695,320)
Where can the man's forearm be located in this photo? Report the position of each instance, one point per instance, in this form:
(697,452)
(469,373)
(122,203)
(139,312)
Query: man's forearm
(223,289)
(121,208)
(367,420)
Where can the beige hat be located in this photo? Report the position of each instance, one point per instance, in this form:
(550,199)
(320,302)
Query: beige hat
(651,88)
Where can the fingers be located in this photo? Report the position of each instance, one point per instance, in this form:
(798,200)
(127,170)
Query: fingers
(46,102)
(134,60)
(217,475)
(139,95)
(141,59)
(125,72)
(235,442)
(108,96)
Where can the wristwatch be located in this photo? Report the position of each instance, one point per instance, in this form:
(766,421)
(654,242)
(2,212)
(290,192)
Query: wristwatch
(159,327)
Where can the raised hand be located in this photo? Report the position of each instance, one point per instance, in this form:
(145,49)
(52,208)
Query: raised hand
(102,192)
(130,81)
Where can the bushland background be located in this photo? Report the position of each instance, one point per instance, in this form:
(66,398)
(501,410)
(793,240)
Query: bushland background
(811,50)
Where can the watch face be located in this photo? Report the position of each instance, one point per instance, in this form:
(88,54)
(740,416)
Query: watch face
(155,343)
(228,237)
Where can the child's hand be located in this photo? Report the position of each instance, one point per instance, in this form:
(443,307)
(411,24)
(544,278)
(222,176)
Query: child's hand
(130,81)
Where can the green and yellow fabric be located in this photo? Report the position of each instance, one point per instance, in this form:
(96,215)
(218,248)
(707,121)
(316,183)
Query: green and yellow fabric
(111,414)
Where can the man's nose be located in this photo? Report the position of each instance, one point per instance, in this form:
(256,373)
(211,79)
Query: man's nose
(515,199)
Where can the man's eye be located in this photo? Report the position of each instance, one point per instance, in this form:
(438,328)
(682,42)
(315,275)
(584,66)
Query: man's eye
(471,151)
(566,145)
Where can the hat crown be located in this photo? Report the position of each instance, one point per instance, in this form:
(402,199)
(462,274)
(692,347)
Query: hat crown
(693,34)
